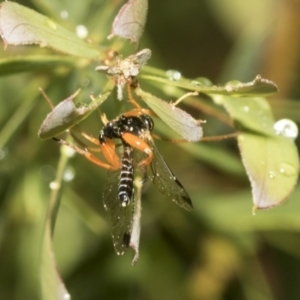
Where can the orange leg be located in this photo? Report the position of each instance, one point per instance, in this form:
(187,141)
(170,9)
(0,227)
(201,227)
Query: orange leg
(89,156)
(139,144)
(87,137)
(108,149)
(109,152)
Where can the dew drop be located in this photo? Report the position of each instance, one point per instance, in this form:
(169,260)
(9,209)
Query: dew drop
(85,82)
(287,169)
(54,185)
(69,174)
(195,83)
(272,175)
(3,153)
(47,172)
(67,296)
(82,31)
(173,75)
(203,81)
(68,151)
(64,14)
(286,128)
(232,85)
(51,24)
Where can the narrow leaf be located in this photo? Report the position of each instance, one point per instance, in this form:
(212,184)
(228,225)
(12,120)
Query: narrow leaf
(69,112)
(19,64)
(180,121)
(272,165)
(20,25)
(52,286)
(130,22)
(258,87)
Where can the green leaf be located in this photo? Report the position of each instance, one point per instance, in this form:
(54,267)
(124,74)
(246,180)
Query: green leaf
(19,64)
(20,25)
(130,22)
(272,165)
(258,87)
(270,158)
(251,113)
(180,121)
(52,287)
(69,112)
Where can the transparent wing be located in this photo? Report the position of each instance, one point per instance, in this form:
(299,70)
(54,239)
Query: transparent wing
(121,216)
(165,181)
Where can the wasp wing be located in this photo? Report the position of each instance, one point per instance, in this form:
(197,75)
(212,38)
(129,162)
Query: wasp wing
(165,181)
(121,216)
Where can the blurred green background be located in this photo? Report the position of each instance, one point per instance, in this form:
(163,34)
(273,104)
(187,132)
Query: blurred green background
(217,251)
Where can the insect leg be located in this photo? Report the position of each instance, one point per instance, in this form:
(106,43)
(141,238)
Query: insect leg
(109,152)
(139,144)
(86,154)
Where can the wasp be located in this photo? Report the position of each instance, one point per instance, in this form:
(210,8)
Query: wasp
(118,196)
(138,154)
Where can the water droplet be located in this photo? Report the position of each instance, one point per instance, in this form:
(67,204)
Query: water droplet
(173,75)
(85,82)
(54,185)
(82,31)
(47,172)
(287,169)
(195,83)
(287,128)
(232,85)
(67,296)
(69,174)
(201,81)
(3,153)
(51,24)
(68,151)
(272,175)
(64,14)
(246,108)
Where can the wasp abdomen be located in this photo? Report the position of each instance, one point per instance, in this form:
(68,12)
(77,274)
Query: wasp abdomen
(126,177)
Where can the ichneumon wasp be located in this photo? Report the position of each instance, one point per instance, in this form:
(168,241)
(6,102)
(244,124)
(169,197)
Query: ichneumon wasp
(138,154)
(134,131)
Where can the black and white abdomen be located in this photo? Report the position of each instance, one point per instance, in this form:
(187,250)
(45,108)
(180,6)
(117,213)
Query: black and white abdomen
(126,177)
